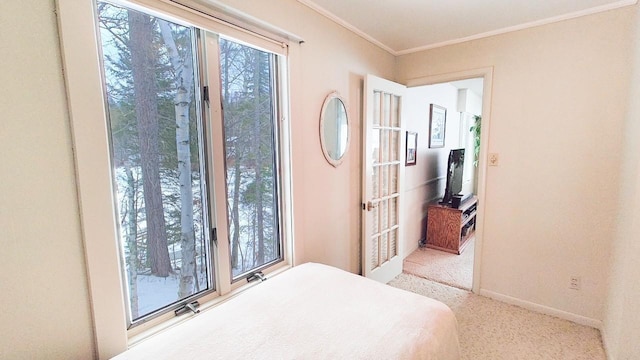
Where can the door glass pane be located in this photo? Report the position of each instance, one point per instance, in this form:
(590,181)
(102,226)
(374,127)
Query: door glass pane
(384,243)
(156,154)
(375,187)
(393,174)
(393,211)
(384,144)
(375,146)
(374,221)
(249,125)
(384,215)
(393,243)
(376,108)
(384,169)
(395,111)
(375,245)
(386,111)
(395,156)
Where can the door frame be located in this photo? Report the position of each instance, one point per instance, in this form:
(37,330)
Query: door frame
(486,74)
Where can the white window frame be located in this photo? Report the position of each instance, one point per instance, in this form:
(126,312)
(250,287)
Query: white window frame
(87,112)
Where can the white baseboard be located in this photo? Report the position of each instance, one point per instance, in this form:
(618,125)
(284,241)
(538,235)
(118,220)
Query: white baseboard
(578,319)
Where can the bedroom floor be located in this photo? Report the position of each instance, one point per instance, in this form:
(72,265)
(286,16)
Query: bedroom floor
(443,267)
(492,330)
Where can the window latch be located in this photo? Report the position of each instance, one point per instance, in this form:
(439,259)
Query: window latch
(214,236)
(192,306)
(205,94)
(257,276)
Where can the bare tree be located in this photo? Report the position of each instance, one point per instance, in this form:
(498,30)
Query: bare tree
(258,163)
(234,154)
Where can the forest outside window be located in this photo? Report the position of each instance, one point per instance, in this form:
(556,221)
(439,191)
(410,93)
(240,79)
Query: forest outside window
(248,112)
(159,122)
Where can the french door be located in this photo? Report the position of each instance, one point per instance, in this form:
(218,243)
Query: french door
(382,183)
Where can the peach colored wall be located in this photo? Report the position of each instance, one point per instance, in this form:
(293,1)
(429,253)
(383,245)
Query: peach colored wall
(621,329)
(558,89)
(558,110)
(43,285)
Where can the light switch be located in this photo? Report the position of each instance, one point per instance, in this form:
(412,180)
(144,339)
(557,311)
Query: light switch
(494,159)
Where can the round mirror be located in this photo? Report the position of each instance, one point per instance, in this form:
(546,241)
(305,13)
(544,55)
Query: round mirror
(334,129)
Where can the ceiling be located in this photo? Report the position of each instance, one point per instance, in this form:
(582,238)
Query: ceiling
(406,26)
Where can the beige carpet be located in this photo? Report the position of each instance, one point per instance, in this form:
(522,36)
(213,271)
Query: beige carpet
(443,267)
(492,330)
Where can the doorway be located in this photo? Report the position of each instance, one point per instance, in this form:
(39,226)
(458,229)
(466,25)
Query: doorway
(465,97)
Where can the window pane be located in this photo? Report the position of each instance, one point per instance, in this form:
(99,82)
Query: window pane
(150,81)
(248,110)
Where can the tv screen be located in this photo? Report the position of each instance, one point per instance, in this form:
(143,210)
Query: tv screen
(455,167)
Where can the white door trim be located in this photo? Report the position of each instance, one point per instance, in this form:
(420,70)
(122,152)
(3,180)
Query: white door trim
(487,74)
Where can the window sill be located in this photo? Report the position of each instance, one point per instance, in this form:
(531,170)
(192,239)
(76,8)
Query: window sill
(177,320)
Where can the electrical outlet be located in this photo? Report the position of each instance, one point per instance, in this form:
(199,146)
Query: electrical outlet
(574,283)
(494,159)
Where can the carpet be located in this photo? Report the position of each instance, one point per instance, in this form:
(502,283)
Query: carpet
(443,267)
(492,330)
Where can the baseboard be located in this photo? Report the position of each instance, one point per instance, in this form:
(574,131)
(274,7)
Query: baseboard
(578,319)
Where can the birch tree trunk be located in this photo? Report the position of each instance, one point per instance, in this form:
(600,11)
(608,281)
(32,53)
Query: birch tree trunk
(144,82)
(183,72)
(235,211)
(132,241)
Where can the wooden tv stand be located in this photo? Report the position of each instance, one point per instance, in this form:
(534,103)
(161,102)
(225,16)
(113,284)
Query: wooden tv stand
(450,229)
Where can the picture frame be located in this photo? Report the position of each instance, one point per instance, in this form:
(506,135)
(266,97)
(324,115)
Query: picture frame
(437,126)
(412,148)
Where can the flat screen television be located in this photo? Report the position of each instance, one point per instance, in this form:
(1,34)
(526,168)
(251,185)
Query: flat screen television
(455,167)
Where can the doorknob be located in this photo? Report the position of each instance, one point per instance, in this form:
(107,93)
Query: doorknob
(371,205)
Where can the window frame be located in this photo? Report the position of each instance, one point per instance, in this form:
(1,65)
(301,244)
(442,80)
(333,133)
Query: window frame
(80,49)
(208,222)
(278,184)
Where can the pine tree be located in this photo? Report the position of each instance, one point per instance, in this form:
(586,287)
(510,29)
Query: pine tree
(143,66)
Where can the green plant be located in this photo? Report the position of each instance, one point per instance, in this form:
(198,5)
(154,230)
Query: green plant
(475,130)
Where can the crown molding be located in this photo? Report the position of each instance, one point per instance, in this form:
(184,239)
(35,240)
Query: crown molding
(320,10)
(551,20)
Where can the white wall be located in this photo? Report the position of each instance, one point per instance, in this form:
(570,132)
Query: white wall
(44,297)
(558,109)
(469,101)
(621,329)
(425,181)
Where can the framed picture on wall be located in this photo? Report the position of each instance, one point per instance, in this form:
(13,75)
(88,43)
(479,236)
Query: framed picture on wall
(412,148)
(437,125)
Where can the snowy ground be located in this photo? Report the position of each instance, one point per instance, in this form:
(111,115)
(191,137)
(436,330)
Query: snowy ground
(157,292)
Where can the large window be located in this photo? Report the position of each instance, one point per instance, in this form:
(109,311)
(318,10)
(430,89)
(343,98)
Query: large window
(248,98)
(160,112)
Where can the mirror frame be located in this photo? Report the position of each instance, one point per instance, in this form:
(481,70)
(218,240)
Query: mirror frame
(330,160)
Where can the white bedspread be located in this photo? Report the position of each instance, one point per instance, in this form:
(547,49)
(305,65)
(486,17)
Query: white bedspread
(312,311)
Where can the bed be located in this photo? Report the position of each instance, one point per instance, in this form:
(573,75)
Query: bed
(312,311)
